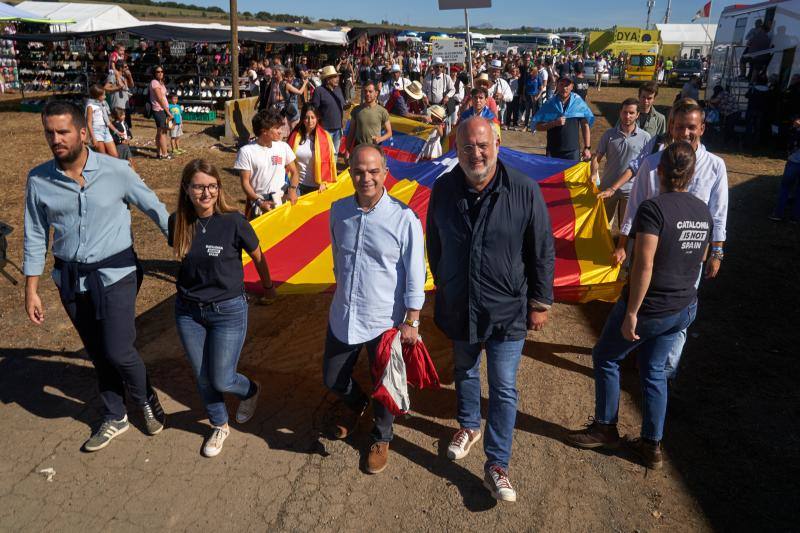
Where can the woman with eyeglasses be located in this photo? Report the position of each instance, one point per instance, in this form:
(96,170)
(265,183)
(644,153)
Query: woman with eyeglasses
(208,236)
(160,108)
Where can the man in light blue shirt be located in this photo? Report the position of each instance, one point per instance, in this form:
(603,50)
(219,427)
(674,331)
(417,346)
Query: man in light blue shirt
(379,264)
(84,198)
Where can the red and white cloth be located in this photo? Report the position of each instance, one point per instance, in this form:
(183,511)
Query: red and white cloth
(395,366)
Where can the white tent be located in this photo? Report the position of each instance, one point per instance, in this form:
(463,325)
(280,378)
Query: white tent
(688,36)
(87,17)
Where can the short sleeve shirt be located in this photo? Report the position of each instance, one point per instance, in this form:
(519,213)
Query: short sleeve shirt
(619,150)
(212,269)
(683,224)
(156,88)
(267,164)
(368,122)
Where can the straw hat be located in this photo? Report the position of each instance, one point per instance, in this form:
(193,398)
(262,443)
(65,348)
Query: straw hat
(483,79)
(414,90)
(328,71)
(438,111)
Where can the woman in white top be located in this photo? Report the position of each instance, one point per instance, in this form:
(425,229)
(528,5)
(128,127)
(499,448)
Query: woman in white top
(99,123)
(316,157)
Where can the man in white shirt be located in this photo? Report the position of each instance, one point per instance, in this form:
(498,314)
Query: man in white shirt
(252,78)
(264,164)
(437,86)
(379,264)
(397,81)
(600,68)
(709,184)
(499,89)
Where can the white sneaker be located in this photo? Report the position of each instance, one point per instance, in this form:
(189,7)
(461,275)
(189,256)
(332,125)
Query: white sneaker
(213,445)
(461,443)
(247,407)
(496,481)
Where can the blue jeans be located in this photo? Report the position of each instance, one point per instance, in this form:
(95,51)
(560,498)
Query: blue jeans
(656,338)
(789,181)
(676,350)
(337,139)
(502,361)
(213,335)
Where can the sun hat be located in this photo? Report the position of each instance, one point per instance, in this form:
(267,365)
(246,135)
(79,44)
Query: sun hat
(437,111)
(437,61)
(414,90)
(327,72)
(496,64)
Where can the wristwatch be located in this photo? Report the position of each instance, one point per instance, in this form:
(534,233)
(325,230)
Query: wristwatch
(412,323)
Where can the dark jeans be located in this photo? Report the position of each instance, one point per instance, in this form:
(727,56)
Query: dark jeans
(109,343)
(337,372)
(657,337)
(512,112)
(213,335)
(528,109)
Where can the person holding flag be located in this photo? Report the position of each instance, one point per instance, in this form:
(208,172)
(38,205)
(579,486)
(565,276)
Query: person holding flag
(566,118)
(316,157)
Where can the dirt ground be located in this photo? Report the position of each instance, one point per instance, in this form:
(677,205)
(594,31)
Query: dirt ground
(732,437)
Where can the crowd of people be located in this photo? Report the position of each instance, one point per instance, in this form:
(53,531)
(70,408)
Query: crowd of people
(488,239)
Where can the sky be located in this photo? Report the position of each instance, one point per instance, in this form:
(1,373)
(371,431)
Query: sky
(503,13)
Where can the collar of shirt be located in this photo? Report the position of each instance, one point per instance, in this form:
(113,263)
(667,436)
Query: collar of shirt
(636,131)
(377,208)
(89,171)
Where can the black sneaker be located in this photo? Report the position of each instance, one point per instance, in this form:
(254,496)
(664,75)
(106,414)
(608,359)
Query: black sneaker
(107,431)
(154,417)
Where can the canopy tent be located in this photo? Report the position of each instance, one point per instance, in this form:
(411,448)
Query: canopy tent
(172,31)
(8,12)
(689,39)
(687,34)
(83,17)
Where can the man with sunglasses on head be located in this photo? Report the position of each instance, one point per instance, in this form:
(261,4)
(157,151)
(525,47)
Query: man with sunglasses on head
(83,197)
(490,250)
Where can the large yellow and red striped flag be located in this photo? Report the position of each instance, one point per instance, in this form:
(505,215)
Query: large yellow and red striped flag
(296,238)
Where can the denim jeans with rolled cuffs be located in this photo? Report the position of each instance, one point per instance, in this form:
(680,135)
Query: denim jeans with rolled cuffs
(337,372)
(656,338)
(213,335)
(502,362)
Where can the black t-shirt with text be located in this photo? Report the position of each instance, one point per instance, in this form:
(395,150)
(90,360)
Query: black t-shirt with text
(580,86)
(683,224)
(212,270)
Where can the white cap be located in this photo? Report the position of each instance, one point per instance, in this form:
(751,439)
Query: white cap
(496,63)
(396,68)
(438,61)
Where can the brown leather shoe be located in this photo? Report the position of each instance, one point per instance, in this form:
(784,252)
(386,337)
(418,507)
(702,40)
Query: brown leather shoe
(347,422)
(378,457)
(595,435)
(648,453)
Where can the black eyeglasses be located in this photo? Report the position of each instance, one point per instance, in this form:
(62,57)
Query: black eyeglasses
(198,189)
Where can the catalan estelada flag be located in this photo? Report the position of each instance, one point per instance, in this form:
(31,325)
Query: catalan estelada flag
(296,238)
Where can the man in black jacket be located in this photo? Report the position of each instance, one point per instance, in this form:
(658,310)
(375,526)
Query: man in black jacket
(490,249)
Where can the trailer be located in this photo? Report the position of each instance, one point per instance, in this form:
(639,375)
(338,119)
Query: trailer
(730,44)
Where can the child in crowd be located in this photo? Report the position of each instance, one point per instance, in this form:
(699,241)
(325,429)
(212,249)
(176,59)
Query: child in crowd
(99,123)
(122,136)
(177,124)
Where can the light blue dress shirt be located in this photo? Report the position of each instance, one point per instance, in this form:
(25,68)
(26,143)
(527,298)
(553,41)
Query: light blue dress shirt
(90,223)
(379,264)
(709,184)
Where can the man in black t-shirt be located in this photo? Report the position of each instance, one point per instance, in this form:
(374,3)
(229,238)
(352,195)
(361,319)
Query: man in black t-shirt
(581,82)
(672,233)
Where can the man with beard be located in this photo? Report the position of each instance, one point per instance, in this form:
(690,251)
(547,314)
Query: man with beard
(368,120)
(84,196)
(490,249)
(709,183)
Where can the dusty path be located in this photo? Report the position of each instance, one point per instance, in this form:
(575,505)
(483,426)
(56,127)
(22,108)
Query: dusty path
(731,437)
